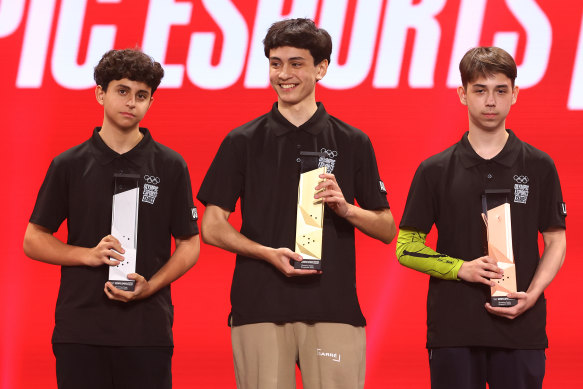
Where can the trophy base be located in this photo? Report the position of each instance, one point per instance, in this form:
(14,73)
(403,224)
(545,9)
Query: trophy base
(308,264)
(124,285)
(503,301)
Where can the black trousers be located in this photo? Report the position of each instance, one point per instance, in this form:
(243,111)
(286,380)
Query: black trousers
(103,367)
(472,367)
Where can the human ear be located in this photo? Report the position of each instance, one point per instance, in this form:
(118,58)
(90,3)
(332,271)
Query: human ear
(322,68)
(514,94)
(99,92)
(461,91)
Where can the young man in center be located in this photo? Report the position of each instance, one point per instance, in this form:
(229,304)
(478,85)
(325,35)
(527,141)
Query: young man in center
(283,316)
(470,342)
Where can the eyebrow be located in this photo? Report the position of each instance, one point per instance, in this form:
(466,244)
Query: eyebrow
(127,87)
(484,86)
(289,59)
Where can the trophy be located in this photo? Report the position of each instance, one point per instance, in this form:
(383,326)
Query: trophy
(124,227)
(310,214)
(496,214)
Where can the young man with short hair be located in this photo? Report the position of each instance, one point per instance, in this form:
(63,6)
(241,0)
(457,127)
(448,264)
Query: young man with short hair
(282,316)
(470,342)
(105,337)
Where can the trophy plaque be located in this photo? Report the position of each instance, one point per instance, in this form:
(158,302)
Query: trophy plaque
(496,213)
(124,227)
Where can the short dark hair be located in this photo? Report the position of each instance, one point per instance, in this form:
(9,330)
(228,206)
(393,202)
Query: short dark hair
(300,33)
(132,64)
(486,61)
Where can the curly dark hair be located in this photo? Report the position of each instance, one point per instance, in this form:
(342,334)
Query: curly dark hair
(132,64)
(300,33)
(486,61)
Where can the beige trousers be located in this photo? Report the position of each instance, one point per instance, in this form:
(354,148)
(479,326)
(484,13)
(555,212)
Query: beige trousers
(329,355)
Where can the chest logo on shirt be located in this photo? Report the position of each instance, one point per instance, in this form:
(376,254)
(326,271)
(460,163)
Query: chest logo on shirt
(150,191)
(327,160)
(520,189)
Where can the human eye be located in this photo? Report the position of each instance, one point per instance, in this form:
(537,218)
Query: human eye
(142,96)
(122,91)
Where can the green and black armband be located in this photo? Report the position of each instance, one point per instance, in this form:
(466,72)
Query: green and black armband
(413,253)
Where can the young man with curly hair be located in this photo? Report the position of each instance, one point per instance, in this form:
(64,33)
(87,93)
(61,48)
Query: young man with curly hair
(282,316)
(106,337)
(471,342)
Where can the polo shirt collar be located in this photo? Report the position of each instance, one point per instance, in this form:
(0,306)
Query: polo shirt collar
(314,125)
(106,155)
(505,157)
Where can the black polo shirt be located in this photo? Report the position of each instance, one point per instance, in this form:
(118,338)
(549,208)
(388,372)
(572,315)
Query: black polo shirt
(79,187)
(446,191)
(259,163)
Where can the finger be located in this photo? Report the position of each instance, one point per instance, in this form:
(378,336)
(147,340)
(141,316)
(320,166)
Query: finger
(325,187)
(485,281)
(120,295)
(328,176)
(113,254)
(517,295)
(303,272)
(111,262)
(491,274)
(489,267)
(111,239)
(488,259)
(135,276)
(508,313)
(295,256)
(108,291)
(117,247)
(330,196)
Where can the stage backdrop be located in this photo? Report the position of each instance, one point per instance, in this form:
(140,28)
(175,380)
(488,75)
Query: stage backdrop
(393,74)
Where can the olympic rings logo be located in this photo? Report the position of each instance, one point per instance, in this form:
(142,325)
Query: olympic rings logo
(521,179)
(329,153)
(152,180)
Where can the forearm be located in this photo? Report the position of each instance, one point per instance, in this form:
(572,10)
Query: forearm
(39,244)
(413,253)
(217,231)
(378,224)
(184,257)
(550,262)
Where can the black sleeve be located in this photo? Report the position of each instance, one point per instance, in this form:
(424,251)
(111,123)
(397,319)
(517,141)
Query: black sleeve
(370,191)
(184,214)
(223,181)
(552,209)
(419,211)
(51,207)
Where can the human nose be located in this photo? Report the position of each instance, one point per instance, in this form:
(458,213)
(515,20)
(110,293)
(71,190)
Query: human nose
(491,100)
(131,101)
(284,72)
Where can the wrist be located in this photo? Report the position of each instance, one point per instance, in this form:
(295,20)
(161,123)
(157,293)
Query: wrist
(456,270)
(264,253)
(82,255)
(350,211)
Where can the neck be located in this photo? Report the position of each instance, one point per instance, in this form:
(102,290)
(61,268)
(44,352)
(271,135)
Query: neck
(297,114)
(120,141)
(487,144)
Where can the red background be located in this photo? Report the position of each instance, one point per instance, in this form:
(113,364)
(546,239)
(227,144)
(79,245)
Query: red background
(405,124)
